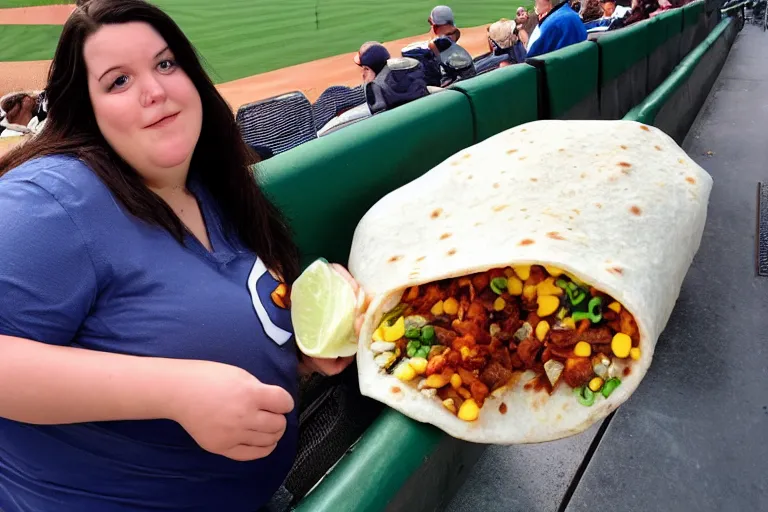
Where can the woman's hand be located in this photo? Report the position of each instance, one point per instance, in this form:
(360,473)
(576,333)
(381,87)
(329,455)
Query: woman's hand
(230,412)
(335,366)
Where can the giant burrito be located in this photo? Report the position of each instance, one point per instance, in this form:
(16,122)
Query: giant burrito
(519,287)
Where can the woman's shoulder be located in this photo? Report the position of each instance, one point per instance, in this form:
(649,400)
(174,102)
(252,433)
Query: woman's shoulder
(66,179)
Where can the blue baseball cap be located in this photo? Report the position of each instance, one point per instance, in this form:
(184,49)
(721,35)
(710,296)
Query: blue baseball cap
(373,55)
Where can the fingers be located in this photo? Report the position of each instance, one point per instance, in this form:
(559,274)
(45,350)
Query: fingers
(267,422)
(273,399)
(346,275)
(244,452)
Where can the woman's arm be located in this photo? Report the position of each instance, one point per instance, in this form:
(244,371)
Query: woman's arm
(48,384)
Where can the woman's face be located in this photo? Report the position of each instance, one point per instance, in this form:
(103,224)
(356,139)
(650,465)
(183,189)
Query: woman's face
(146,106)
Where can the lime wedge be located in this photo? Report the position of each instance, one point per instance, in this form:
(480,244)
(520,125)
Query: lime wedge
(323,308)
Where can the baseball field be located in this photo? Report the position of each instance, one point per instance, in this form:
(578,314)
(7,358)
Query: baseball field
(255,49)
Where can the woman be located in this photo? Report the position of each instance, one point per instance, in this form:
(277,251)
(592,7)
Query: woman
(139,369)
(24,112)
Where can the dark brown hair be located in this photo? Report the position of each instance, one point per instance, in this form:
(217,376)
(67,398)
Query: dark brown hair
(221,159)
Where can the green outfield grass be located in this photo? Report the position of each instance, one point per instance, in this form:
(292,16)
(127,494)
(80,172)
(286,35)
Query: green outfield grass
(239,38)
(6,4)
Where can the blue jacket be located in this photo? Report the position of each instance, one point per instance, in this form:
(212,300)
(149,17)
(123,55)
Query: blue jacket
(560,28)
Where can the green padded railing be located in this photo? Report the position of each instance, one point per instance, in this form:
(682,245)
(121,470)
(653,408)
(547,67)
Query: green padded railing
(646,111)
(622,49)
(325,186)
(568,75)
(501,99)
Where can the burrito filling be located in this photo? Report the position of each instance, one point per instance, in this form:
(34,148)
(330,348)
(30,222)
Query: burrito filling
(461,339)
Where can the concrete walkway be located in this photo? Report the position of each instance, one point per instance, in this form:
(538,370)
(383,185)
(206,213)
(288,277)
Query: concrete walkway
(694,437)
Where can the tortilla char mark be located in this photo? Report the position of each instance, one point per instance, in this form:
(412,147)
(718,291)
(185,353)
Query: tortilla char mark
(461,339)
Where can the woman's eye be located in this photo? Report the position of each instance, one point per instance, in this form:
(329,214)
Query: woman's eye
(167,65)
(119,82)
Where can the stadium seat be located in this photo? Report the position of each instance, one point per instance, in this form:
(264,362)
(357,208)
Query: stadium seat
(279,123)
(568,80)
(515,84)
(324,187)
(335,100)
(623,69)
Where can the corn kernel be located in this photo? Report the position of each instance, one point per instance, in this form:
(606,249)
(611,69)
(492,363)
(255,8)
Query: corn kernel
(582,349)
(596,384)
(542,330)
(419,364)
(437,309)
(436,381)
(405,372)
(634,353)
(514,286)
(523,271)
(456,381)
(547,305)
(464,352)
(451,306)
(568,323)
(615,306)
(548,287)
(378,334)
(529,292)
(396,331)
(621,345)
(448,403)
(469,411)
(499,304)
(553,271)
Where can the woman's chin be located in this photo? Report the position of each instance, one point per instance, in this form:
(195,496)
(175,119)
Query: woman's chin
(170,158)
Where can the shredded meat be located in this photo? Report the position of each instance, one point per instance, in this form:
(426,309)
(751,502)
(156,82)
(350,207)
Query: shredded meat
(597,335)
(445,336)
(578,371)
(528,349)
(495,375)
(428,297)
(563,337)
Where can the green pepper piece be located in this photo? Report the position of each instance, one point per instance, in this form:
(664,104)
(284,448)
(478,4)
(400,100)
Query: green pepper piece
(423,352)
(412,347)
(586,396)
(610,386)
(562,283)
(391,317)
(499,285)
(413,333)
(427,334)
(593,314)
(575,294)
(578,316)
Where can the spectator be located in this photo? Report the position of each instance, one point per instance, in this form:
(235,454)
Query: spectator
(558,27)
(442,23)
(641,10)
(591,11)
(371,58)
(147,359)
(443,60)
(613,11)
(24,111)
(505,47)
(526,24)
(400,82)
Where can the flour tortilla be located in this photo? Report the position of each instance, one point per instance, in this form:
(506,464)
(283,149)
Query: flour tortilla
(616,203)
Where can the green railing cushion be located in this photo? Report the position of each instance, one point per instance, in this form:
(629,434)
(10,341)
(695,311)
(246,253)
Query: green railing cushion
(646,111)
(370,475)
(673,20)
(326,185)
(501,99)
(569,76)
(622,49)
(692,13)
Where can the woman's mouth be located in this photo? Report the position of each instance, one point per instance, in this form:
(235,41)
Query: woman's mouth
(165,121)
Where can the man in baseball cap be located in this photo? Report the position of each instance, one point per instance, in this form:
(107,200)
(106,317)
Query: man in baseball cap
(442,22)
(372,57)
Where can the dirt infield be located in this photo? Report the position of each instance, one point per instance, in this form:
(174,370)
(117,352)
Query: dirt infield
(42,15)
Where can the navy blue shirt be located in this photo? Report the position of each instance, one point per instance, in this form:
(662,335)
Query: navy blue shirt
(76,269)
